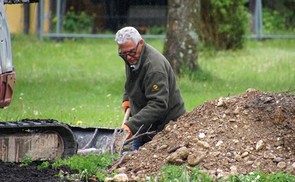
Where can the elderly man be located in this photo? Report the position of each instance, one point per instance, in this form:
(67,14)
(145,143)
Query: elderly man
(150,91)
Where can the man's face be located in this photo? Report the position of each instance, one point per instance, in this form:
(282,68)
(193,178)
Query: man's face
(130,52)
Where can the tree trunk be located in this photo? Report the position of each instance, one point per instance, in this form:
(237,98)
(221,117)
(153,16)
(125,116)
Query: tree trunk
(180,46)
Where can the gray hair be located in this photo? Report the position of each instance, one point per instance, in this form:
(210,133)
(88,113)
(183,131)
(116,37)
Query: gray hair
(127,33)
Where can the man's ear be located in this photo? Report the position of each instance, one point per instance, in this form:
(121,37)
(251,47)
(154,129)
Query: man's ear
(141,42)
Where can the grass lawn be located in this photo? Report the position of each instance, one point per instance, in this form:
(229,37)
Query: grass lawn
(83,80)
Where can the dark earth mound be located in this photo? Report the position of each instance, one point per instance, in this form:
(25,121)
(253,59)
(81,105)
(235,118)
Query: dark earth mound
(15,172)
(233,135)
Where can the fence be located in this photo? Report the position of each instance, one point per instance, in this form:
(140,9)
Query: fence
(145,17)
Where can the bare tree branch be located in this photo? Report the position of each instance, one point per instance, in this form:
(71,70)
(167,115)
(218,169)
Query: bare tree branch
(137,135)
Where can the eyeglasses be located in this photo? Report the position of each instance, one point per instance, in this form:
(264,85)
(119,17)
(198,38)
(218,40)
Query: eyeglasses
(131,52)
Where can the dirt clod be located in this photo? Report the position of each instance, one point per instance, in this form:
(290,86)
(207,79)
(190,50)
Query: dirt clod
(17,173)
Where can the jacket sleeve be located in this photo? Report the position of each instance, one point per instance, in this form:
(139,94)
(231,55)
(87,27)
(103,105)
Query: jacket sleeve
(125,96)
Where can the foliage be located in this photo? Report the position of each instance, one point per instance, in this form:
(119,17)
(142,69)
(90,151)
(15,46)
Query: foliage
(223,23)
(272,21)
(278,16)
(76,22)
(262,177)
(157,30)
(184,173)
(87,165)
(180,173)
(43,165)
(27,160)
(275,21)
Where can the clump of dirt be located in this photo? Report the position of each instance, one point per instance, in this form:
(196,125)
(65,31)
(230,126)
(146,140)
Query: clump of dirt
(234,135)
(16,172)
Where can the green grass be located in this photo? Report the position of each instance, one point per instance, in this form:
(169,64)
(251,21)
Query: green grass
(185,174)
(86,166)
(83,80)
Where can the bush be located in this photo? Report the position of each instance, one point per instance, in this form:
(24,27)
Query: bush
(76,22)
(180,173)
(223,23)
(87,166)
(275,21)
(278,15)
(260,176)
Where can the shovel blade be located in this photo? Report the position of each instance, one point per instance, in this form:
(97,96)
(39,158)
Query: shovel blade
(99,140)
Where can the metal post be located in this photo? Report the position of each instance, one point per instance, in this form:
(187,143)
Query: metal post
(58,22)
(41,29)
(258,17)
(26,18)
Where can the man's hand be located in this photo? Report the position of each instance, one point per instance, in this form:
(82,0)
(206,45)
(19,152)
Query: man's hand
(125,105)
(128,129)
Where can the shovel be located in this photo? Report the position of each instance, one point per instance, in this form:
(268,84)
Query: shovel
(99,140)
(126,116)
(119,136)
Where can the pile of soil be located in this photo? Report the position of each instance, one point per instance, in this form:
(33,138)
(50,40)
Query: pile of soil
(234,135)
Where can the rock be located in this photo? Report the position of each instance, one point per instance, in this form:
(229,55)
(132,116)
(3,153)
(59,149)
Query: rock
(282,165)
(178,156)
(220,142)
(220,102)
(233,170)
(259,145)
(120,178)
(202,135)
(219,173)
(245,154)
(162,147)
(268,155)
(122,170)
(203,144)
(195,158)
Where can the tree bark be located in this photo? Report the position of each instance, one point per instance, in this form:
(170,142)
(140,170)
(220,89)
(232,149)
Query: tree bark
(180,46)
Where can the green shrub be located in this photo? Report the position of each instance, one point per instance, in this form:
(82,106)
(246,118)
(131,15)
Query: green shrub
(157,30)
(262,177)
(181,174)
(278,17)
(272,21)
(87,165)
(75,22)
(223,23)
(27,160)
(43,165)
(184,174)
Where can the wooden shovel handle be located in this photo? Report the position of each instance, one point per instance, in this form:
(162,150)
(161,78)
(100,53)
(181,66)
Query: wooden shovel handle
(126,115)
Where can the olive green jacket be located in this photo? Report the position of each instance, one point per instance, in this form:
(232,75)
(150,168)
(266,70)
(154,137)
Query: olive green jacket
(152,91)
